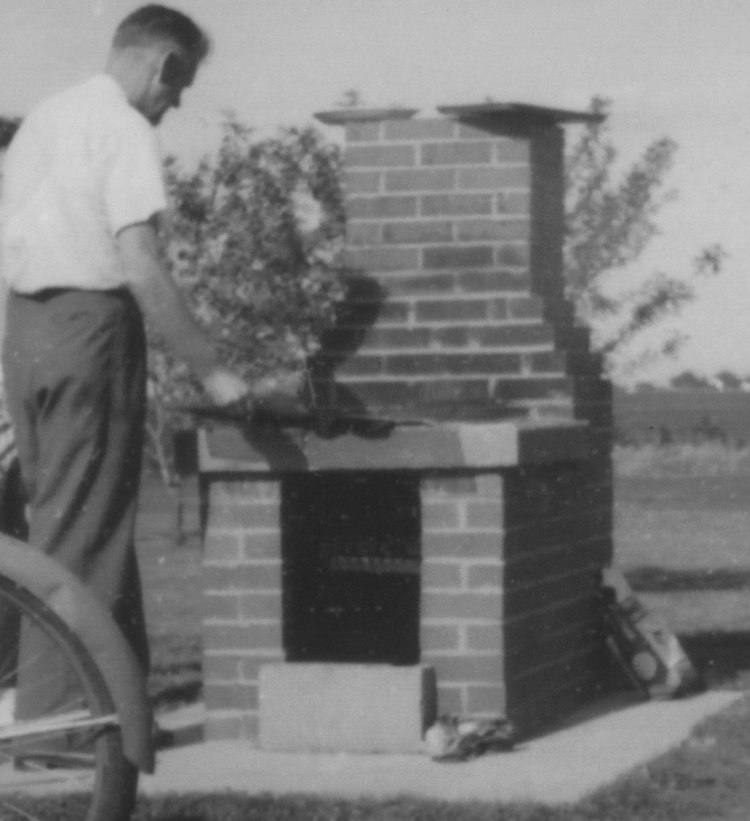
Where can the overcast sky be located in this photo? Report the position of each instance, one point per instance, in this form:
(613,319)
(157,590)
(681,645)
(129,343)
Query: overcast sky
(672,67)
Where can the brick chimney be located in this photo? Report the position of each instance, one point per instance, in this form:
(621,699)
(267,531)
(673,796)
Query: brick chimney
(455,236)
(457,563)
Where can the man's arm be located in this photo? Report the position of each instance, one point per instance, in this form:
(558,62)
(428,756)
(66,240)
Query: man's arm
(162,303)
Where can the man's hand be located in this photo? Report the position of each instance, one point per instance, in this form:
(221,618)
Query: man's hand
(224,386)
(284,383)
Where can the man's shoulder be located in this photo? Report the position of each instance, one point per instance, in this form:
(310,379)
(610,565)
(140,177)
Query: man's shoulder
(96,100)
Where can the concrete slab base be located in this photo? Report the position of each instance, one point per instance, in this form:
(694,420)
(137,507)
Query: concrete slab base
(345,708)
(589,751)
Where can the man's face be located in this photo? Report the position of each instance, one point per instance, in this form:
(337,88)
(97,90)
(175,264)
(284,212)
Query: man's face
(175,74)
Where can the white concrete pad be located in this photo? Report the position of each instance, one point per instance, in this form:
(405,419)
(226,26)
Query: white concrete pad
(590,750)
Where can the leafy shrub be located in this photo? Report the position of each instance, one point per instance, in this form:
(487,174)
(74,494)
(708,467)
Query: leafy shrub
(254,242)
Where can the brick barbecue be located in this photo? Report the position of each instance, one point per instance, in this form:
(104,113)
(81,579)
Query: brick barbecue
(470,546)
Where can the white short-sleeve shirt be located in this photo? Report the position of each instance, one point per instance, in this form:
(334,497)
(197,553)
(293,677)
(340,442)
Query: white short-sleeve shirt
(83,165)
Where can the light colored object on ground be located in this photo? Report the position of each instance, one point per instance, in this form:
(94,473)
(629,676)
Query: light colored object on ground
(7,706)
(455,739)
(648,651)
(345,708)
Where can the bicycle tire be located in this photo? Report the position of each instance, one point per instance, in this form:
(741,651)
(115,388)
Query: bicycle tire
(41,782)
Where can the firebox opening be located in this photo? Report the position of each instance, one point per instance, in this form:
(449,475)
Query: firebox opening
(351,552)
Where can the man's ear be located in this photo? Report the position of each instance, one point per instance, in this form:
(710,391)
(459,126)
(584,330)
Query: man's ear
(173,70)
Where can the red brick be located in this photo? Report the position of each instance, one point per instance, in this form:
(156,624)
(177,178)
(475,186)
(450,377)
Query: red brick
(538,388)
(263,605)
(490,179)
(467,667)
(486,701)
(363,132)
(513,202)
(224,667)
(463,545)
(526,307)
(456,153)
(450,310)
(543,593)
(484,637)
(230,696)
(451,700)
(443,486)
(433,205)
(364,233)
(440,515)
(373,207)
(393,338)
(242,637)
(484,514)
(223,607)
(512,255)
(457,364)
(358,365)
(511,335)
(419,129)
(497,308)
(219,578)
(242,577)
(421,395)
(498,229)
(420,179)
(483,576)
(440,574)
(510,150)
(262,544)
(556,562)
(221,547)
(446,605)
(452,336)
(493,281)
(251,666)
(399,233)
(547,362)
(379,155)
(382,259)
(394,312)
(437,637)
(223,492)
(362,182)
(260,515)
(262,636)
(463,256)
(552,650)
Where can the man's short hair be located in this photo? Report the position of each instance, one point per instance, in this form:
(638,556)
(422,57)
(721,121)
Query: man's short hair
(155,23)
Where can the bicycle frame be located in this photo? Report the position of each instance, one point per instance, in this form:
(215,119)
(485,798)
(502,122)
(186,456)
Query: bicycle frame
(74,603)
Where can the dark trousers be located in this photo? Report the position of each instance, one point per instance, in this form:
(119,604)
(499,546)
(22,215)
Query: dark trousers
(75,379)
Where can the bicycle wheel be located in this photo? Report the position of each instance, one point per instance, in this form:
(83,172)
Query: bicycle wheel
(66,764)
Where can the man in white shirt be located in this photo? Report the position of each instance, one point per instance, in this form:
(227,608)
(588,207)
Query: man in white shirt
(81,256)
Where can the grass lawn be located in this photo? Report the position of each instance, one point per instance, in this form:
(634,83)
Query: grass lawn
(682,536)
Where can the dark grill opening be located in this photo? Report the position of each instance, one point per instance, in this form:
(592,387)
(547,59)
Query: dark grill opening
(350,555)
